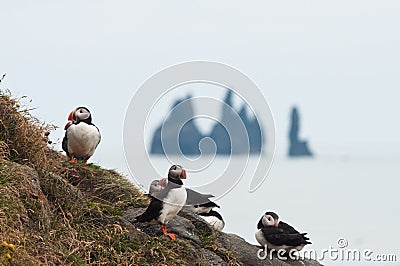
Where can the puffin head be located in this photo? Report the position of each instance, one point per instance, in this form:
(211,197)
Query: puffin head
(268,219)
(80,114)
(176,173)
(77,115)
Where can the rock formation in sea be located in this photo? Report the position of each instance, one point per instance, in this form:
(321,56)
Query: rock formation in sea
(178,128)
(297,147)
(230,129)
(252,128)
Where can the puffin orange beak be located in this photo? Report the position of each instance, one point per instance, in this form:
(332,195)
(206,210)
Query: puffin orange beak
(71,115)
(276,224)
(183,175)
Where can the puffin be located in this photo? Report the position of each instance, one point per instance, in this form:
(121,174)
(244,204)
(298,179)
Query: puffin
(157,185)
(168,202)
(81,136)
(195,202)
(279,235)
(214,219)
(199,203)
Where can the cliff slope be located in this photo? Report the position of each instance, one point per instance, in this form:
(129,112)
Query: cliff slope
(58,213)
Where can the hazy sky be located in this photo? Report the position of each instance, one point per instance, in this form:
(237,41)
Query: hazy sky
(339,61)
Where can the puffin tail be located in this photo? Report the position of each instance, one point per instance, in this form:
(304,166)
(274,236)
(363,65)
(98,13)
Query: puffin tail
(139,219)
(147,216)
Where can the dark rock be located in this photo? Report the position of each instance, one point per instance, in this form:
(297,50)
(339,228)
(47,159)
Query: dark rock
(247,253)
(188,226)
(179,225)
(230,129)
(297,147)
(212,259)
(179,123)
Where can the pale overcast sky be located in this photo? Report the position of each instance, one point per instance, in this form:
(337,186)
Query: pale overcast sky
(339,61)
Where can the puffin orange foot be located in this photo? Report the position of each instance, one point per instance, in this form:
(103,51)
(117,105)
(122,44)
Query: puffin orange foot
(164,230)
(171,235)
(73,159)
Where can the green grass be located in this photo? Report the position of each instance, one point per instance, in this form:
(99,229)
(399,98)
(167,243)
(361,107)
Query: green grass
(72,213)
(209,238)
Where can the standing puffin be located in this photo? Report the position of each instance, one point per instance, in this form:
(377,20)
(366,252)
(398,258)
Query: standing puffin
(81,136)
(168,202)
(195,201)
(279,235)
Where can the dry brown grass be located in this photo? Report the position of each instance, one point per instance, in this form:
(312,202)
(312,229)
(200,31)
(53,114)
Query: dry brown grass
(24,135)
(57,213)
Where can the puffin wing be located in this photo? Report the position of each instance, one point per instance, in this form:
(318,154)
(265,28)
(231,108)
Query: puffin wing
(277,237)
(288,229)
(64,144)
(196,198)
(152,211)
(99,135)
(156,204)
(294,240)
(210,204)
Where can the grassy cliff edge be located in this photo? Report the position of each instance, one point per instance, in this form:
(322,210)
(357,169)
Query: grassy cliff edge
(53,212)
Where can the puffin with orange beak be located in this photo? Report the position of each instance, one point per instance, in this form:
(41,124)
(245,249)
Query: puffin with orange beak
(196,202)
(81,135)
(277,235)
(167,202)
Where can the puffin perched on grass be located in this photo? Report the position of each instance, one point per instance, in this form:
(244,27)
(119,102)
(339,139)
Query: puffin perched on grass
(279,235)
(167,202)
(81,135)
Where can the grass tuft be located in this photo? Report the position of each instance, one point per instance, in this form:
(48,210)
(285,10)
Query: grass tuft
(58,213)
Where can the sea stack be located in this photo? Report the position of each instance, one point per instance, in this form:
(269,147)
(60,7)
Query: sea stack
(297,147)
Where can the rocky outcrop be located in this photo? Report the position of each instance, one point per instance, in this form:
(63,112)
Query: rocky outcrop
(297,147)
(216,248)
(229,122)
(179,122)
(82,214)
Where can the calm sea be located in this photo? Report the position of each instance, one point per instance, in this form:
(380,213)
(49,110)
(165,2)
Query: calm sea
(356,199)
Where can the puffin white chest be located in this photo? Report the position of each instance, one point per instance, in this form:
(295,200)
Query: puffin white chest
(82,139)
(172,204)
(260,238)
(216,223)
